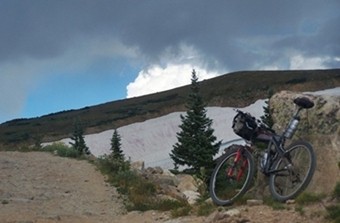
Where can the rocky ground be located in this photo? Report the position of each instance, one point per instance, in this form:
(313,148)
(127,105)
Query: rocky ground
(39,187)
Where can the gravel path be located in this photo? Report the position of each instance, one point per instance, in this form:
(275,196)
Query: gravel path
(41,187)
(38,187)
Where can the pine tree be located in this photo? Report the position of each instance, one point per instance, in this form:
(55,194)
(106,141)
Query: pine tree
(267,118)
(195,147)
(78,140)
(116,151)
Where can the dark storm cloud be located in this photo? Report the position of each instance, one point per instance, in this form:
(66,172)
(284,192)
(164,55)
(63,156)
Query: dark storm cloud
(236,34)
(44,28)
(229,34)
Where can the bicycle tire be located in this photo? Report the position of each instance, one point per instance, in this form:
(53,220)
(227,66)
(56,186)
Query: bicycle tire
(289,183)
(224,189)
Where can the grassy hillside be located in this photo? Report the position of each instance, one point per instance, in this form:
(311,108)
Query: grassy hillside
(234,89)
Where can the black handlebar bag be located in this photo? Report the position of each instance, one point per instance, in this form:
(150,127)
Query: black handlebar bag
(245,125)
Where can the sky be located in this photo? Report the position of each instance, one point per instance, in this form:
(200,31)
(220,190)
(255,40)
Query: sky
(68,54)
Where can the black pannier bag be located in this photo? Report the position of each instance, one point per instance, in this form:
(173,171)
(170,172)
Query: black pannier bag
(245,125)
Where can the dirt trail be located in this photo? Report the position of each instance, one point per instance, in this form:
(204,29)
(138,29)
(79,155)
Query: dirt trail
(38,187)
(41,187)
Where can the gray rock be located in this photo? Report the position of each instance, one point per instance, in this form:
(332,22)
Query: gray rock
(254,202)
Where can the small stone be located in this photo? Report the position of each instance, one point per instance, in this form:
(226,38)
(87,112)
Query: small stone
(254,202)
(233,212)
(220,216)
(290,202)
(137,165)
(191,196)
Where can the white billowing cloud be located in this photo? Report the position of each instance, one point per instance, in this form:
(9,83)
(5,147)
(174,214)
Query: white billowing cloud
(299,62)
(156,78)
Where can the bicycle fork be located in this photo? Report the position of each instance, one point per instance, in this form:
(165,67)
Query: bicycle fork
(233,170)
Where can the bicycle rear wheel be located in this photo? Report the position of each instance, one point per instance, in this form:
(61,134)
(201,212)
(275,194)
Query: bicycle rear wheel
(232,176)
(293,172)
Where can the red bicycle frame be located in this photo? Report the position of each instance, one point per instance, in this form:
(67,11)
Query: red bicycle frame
(240,171)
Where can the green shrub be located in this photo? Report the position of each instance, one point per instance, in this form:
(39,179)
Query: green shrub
(308,198)
(62,150)
(269,201)
(334,210)
(205,208)
(140,192)
(54,146)
(68,152)
(334,213)
(110,166)
(26,148)
(4,202)
(336,191)
(168,204)
(182,211)
(299,209)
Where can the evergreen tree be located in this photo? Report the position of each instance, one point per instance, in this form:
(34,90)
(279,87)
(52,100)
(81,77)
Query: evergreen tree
(116,151)
(78,140)
(195,147)
(267,117)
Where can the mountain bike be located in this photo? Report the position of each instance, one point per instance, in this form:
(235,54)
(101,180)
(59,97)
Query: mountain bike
(289,168)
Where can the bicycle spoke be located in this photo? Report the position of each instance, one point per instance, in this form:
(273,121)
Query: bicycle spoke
(293,172)
(231,177)
(227,185)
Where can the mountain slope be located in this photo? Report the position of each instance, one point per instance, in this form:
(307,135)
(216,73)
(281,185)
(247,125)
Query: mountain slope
(152,140)
(234,90)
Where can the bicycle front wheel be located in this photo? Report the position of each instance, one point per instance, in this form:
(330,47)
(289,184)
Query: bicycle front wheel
(293,172)
(232,176)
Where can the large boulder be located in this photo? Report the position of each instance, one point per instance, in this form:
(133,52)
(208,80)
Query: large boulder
(323,118)
(320,126)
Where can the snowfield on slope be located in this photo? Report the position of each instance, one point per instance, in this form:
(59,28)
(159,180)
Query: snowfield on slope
(151,141)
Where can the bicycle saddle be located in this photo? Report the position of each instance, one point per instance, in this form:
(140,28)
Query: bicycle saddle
(304,102)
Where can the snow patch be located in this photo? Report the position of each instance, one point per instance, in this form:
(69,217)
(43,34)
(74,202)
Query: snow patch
(151,141)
